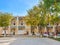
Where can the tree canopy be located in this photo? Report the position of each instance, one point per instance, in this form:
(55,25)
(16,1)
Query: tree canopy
(5,19)
(45,12)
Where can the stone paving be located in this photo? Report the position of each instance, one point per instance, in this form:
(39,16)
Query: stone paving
(28,41)
(6,41)
(35,41)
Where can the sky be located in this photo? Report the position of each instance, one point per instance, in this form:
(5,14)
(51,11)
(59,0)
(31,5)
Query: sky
(17,7)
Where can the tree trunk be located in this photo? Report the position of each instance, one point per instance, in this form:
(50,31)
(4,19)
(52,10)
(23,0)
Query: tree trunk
(41,32)
(46,31)
(32,30)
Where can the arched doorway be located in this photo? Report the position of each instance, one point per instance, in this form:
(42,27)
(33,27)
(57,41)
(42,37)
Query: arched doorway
(13,31)
(21,30)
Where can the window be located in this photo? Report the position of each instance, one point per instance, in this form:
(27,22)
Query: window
(22,23)
(21,27)
(14,23)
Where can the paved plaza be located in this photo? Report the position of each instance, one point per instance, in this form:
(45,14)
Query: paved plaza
(6,40)
(27,41)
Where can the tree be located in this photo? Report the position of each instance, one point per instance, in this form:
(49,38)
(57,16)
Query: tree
(44,11)
(5,20)
(53,7)
(33,18)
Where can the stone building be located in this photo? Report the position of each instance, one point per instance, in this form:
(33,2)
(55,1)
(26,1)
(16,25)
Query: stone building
(19,26)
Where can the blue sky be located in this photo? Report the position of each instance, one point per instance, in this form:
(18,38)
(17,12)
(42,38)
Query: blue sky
(17,7)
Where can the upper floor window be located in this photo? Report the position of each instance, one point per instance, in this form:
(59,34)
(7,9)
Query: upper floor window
(14,23)
(21,22)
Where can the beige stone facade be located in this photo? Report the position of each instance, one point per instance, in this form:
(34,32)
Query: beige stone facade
(18,26)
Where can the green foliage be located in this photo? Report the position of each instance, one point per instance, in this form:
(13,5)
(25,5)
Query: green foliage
(42,13)
(5,19)
(57,0)
(48,3)
(33,16)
